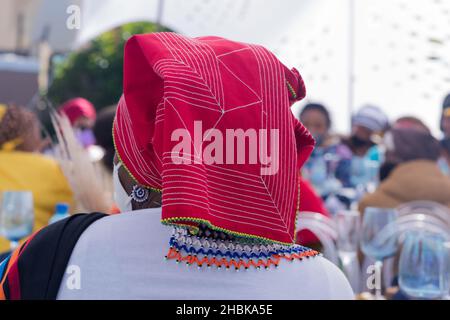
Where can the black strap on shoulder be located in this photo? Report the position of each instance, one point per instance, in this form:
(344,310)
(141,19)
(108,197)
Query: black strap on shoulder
(44,260)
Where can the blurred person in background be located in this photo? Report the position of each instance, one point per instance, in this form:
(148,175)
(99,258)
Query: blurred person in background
(445,118)
(82,115)
(410,171)
(410,122)
(317,120)
(22,168)
(368,127)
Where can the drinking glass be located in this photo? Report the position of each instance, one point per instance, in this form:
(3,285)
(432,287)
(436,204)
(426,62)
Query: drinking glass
(331,185)
(348,226)
(423,264)
(447,271)
(357,173)
(16,216)
(373,178)
(318,173)
(364,173)
(374,221)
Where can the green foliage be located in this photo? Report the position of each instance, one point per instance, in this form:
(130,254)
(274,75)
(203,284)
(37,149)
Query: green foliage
(95,72)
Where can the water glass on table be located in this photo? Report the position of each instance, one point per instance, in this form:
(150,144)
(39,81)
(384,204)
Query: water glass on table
(16,216)
(424,266)
(348,225)
(373,245)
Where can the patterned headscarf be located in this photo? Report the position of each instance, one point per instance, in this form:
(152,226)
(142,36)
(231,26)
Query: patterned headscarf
(175,85)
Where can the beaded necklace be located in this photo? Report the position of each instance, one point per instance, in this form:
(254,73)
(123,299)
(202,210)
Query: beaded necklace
(214,248)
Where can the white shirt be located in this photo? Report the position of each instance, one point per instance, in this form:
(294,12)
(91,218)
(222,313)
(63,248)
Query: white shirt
(122,257)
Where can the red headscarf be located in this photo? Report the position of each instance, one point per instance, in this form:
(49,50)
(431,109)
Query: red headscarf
(309,201)
(78,107)
(170,81)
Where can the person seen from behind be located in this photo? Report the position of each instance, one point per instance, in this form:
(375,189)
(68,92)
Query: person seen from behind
(24,168)
(410,170)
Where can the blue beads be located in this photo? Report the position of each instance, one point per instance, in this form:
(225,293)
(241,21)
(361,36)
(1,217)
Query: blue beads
(233,254)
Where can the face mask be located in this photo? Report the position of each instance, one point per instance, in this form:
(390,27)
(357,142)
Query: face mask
(358,142)
(121,197)
(85,137)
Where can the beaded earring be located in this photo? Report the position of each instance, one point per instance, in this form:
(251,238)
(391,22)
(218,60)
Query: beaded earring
(139,194)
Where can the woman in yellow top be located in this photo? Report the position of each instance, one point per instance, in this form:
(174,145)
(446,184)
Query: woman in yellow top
(23,168)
